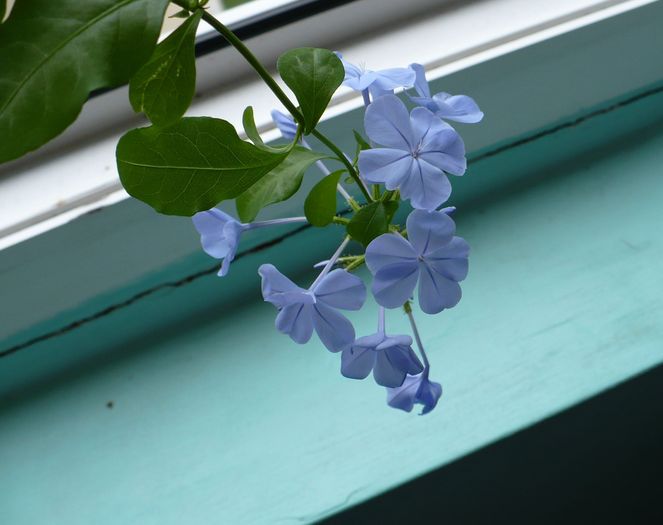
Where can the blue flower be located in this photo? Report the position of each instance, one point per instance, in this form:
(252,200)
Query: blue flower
(286,124)
(377,82)
(415,390)
(389,357)
(431,255)
(459,108)
(418,150)
(219,235)
(302,311)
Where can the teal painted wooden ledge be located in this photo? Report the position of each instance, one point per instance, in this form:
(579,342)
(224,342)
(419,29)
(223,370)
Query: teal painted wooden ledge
(191,408)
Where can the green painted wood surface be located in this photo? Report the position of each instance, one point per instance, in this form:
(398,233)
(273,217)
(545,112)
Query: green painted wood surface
(192,409)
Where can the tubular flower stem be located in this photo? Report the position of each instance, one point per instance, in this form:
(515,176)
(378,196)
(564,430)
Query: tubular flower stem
(366,96)
(415,331)
(331,262)
(274,222)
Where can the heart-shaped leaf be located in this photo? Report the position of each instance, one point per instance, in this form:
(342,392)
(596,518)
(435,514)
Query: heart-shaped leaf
(372,221)
(320,205)
(278,185)
(190,166)
(53,54)
(313,75)
(164,87)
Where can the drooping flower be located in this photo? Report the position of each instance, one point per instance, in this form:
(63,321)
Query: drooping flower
(220,233)
(378,83)
(389,357)
(302,311)
(416,389)
(286,124)
(431,256)
(418,150)
(459,108)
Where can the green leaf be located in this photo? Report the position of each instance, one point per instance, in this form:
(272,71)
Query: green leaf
(250,127)
(313,75)
(3,10)
(277,186)
(190,166)
(184,13)
(372,221)
(164,87)
(320,205)
(53,54)
(252,133)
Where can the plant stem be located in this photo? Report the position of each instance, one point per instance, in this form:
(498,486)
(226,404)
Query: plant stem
(325,171)
(341,157)
(356,263)
(252,60)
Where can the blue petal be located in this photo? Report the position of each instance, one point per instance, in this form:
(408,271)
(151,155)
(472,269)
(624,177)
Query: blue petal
(385,166)
(394,284)
(388,248)
(428,395)
(424,102)
(296,321)
(394,340)
(387,122)
(333,328)
(403,397)
(281,291)
(401,355)
(388,79)
(425,125)
(459,108)
(420,82)
(441,146)
(436,292)
(376,92)
(341,289)
(387,371)
(286,124)
(451,260)
(427,187)
(357,362)
(428,231)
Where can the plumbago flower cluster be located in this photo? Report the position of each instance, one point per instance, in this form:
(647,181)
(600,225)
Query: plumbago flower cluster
(187,166)
(411,154)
